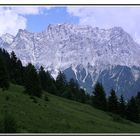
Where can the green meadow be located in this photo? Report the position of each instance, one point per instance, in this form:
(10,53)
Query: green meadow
(58,115)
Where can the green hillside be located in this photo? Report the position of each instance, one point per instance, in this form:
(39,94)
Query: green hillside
(58,115)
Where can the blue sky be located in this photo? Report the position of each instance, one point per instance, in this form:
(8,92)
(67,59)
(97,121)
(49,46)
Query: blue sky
(36,19)
(36,23)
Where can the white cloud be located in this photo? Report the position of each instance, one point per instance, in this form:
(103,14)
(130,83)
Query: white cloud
(13,18)
(10,22)
(29,10)
(106,17)
(26,10)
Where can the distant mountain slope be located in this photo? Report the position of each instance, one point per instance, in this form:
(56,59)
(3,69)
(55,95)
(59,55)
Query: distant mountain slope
(90,53)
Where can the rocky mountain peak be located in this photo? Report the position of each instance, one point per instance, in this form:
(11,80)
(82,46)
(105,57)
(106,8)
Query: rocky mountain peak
(81,48)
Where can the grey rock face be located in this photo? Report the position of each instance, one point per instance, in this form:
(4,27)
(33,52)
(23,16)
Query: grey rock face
(85,53)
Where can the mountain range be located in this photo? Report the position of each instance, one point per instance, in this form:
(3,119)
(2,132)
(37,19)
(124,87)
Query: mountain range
(87,54)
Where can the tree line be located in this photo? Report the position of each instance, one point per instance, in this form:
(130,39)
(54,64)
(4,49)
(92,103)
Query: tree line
(129,109)
(35,81)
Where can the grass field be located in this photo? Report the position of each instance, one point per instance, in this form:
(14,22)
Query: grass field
(59,115)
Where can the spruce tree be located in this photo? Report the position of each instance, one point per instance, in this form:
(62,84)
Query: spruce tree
(47,81)
(61,83)
(67,93)
(122,107)
(16,70)
(74,87)
(4,78)
(6,58)
(113,102)
(82,96)
(50,87)
(32,82)
(19,73)
(132,112)
(43,78)
(138,97)
(13,67)
(99,97)
(76,91)
(138,100)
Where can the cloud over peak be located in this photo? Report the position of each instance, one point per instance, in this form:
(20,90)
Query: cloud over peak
(106,17)
(13,18)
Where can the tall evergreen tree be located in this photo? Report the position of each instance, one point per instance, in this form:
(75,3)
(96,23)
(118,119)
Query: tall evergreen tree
(16,70)
(132,111)
(82,96)
(19,73)
(43,78)
(72,85)
(13,67)
(32,82)
(122,107)
(47,81)
(99,97)
(61,83)
(113,102)
(138,97)
(74,88)
(67,93)
(4,78)
(6,58)
(138,100)
(51,86)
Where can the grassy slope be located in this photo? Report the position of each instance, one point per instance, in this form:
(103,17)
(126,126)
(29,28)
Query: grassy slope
(58,115)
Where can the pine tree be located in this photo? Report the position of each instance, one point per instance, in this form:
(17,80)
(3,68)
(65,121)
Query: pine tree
(32,82)
(137,98)
(82,96)
(16,70)
(67,93)
(138,95)
(122,107)
(19,73)
(113,102)
(72,85)
(43,78)
(50,87)
(132,111)
(6,58)
(13,67)
(47,81)
(74,88)
(99,97)
(61,83)
(4,78)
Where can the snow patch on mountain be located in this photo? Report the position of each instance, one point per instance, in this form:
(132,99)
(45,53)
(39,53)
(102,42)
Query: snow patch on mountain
(7,38)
